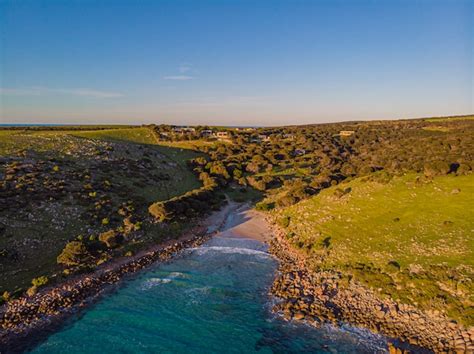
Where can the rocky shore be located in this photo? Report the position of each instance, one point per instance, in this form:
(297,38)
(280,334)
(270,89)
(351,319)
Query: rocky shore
(25,320)
(323,297)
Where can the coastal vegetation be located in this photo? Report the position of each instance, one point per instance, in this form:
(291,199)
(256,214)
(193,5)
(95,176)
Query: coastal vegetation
(385,205)
(408,237)
(72,199)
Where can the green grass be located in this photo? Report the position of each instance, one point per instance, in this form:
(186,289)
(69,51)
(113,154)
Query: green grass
(183,181)
(449,119)
(134,135)
(427,227)
(39,241)
(188,144)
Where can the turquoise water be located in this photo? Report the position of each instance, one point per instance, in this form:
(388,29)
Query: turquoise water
(210,299)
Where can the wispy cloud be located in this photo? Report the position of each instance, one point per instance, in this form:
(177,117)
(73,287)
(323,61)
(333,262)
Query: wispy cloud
(178,77)
(184,68)
(40,91)
(186,73)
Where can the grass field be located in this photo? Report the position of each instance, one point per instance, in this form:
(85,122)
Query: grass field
(410,237)
(188,144)
(449,119)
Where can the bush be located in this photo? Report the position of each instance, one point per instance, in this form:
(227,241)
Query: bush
(286,201)
(40,281)
(284,221)
(264,206)
(158,211)
(111,238)
(73,254)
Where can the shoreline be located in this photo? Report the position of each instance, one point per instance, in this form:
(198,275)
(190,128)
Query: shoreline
(304,295)
(318,296)
(27,320)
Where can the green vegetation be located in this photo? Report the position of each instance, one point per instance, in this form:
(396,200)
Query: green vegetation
(384,202)
(133,135)
(57,184)
(411,236)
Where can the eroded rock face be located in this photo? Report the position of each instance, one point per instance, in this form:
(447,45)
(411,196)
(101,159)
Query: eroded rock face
(309,295)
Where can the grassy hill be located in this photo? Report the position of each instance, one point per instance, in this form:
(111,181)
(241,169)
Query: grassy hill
(58,185)
(410,237)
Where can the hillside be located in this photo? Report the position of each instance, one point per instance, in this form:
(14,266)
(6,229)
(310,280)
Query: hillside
(408,237)
(60,186)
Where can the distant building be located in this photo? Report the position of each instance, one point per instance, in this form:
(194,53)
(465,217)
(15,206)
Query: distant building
(206,133)
(255,139)
(183,130)
(346,132)
(288,136)
(264,137)
(222,135)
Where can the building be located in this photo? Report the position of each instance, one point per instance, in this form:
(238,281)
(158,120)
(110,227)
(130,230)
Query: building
(264,137)
(183,130)
(222,135)
(346,132)
(206,133)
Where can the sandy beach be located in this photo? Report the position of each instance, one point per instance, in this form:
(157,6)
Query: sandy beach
(245,222)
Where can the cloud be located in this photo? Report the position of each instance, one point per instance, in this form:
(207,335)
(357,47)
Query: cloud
(178,77)
(40,91)
(185,68)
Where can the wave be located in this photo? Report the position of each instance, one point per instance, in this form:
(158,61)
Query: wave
(152,282)
(229,250)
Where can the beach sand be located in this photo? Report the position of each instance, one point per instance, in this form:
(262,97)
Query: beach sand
(245,222)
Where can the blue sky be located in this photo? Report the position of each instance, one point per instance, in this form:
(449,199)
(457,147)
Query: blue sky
(233,62)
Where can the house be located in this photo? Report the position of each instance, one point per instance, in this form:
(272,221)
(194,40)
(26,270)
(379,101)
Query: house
(183,130)
(222,135)
(206,133)
(346,132)
(264,137)
(288,136)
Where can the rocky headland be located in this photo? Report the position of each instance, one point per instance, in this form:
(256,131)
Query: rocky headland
(323,296)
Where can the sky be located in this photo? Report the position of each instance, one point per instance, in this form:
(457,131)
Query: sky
(232,62)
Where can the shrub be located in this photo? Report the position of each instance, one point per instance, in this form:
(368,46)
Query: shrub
(40,281)
(286,201)
(111,238)
(158,211)
(265,206)
(284,221)
(74,253)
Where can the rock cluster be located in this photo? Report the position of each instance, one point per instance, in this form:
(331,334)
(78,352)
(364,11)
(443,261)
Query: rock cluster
(317,296)
(26,315)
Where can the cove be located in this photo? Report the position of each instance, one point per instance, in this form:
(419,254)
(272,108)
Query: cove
(209,299)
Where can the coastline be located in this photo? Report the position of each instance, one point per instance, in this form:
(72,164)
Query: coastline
(318,296)
(27,320)
(305,295)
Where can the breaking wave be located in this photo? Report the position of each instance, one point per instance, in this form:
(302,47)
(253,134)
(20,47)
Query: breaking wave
(230,250)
